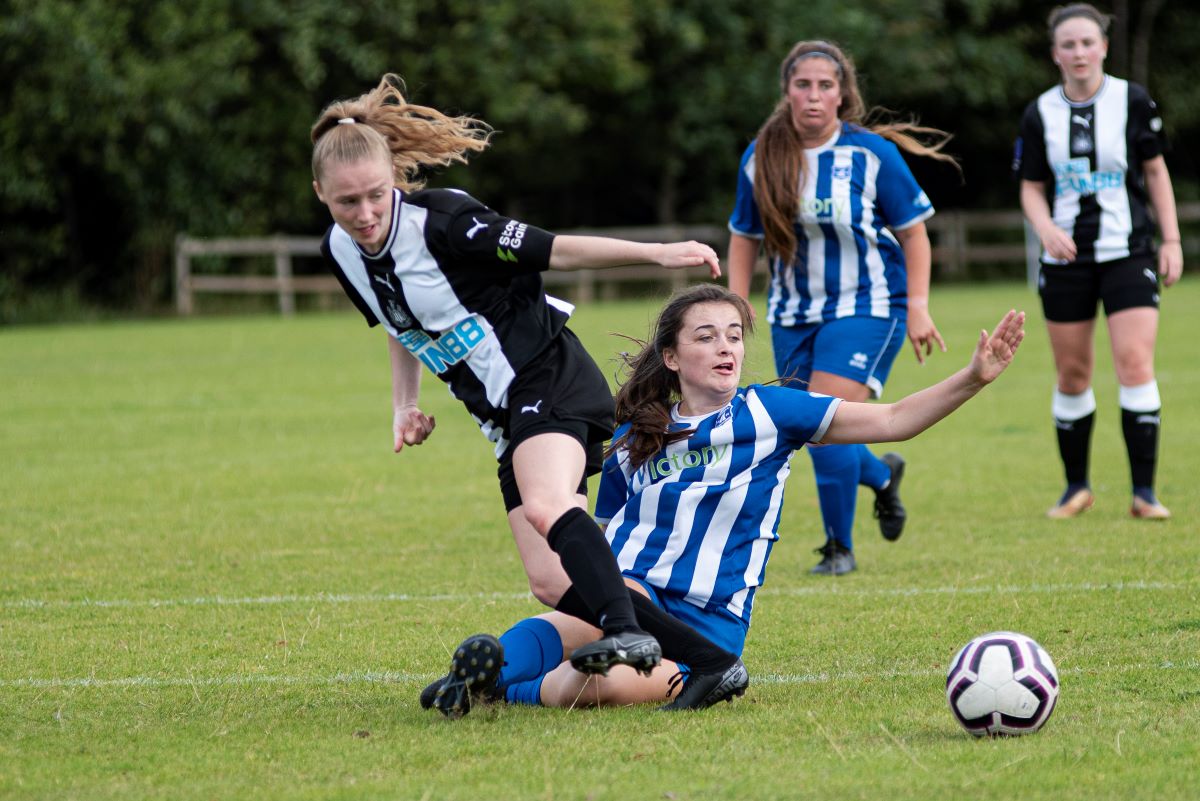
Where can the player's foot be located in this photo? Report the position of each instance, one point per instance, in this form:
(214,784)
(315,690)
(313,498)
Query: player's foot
(1073,503)
(702,690)
(634,648)
(836,559)
(474,669)
(888,509)
(1151,509)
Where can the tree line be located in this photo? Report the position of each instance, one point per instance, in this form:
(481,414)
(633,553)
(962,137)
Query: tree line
(123,123)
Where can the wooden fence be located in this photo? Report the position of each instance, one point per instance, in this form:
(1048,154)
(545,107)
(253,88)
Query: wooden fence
(962,242)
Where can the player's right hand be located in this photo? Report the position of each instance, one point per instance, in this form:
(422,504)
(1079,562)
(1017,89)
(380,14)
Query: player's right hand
(1058,243)
(410,426)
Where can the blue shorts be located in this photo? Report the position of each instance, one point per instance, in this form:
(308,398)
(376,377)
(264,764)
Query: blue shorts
(719,625)
(859,348)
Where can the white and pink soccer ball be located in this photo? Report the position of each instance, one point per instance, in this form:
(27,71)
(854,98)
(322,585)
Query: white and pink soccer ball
(1002,683)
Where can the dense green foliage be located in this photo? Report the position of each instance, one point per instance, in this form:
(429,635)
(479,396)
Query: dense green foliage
(220,583)
(125,123)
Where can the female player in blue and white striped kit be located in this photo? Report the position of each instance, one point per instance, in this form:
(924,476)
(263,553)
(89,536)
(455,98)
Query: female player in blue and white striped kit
(692,491)
(850,263)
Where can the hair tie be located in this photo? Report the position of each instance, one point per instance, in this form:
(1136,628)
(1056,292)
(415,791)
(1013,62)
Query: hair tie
(347,121)
(787,68)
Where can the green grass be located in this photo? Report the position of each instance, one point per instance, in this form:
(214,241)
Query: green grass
(217,581)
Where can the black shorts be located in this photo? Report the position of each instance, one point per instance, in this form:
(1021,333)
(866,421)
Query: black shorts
(1070,292)
(560,391)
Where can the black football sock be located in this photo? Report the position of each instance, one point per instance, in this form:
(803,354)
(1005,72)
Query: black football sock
(1141,443)
(592,568)
(1074,442)
(679,641)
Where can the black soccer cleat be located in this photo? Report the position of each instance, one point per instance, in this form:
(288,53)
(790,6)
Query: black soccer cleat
(474,669)
(836,560)
(702,690)
(634,648)
(888,509)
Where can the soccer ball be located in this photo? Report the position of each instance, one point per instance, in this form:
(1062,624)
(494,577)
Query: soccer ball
(1002,683)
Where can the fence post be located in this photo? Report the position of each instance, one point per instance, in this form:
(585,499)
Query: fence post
(1033,256)
(283,273)
(183,275)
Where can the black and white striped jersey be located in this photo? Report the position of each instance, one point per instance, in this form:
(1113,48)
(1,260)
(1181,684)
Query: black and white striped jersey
(459,286)
(1090,155)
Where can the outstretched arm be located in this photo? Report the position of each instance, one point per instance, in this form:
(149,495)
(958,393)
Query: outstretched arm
(904,419)
(597,252)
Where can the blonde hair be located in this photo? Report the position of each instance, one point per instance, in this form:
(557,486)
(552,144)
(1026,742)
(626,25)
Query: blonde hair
(645,398)
(779,153)
(382,124)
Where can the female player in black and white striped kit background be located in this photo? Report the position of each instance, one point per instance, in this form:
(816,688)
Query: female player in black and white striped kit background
(1090,160)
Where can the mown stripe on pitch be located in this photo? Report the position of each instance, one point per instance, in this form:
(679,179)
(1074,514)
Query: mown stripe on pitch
(341,598)
(391,677)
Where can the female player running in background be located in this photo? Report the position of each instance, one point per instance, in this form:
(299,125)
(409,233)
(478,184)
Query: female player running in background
(843,223)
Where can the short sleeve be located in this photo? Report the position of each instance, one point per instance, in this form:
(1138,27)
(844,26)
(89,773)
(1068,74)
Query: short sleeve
(745,219)
(482,237)
(901,200)
(801,417)
(614,487)
(1145,124)
(1029,151)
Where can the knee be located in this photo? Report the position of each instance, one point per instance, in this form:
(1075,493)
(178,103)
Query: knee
(540,515)
(1074,379)
(547,589)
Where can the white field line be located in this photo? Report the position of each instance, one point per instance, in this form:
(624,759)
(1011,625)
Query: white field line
(826,589)
(391,677)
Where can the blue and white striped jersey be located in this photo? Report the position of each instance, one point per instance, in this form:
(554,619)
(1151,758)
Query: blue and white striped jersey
(847,262)
(698,520)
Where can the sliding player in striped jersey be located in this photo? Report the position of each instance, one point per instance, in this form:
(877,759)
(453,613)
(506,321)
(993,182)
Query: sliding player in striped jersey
(842,220)
(1090,159)
(692,491)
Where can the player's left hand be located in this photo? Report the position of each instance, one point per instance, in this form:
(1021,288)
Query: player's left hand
(922,333)
(995,352)
(677,255)
(1170,261)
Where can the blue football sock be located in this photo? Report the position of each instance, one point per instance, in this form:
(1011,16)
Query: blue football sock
(837,469)
(525,692)
(532,648)
(873,471)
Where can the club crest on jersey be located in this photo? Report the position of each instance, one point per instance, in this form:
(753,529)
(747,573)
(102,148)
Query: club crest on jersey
(724,416)
(399,317)
(841,172)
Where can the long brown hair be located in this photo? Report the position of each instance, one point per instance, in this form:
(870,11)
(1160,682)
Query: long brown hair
(646,396)
(381,123)
(779,153)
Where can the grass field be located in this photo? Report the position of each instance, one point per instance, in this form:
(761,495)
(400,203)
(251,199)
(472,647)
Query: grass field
(217,582)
